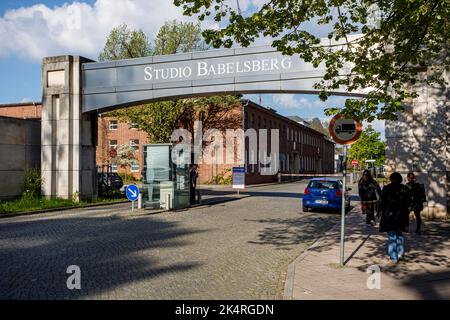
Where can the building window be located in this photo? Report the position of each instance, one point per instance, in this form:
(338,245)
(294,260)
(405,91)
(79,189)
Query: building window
(113,125)
(135,166)
(265,123)
(113,144)
(135,144)
(252,120)
(114,168)
(133,125)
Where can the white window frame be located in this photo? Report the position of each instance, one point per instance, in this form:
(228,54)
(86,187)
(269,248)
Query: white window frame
(136,146)
(113,146)
(138,166)
(116,166)
(116,123)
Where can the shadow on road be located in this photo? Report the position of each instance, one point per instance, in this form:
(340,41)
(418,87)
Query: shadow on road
(35,255)
(284,233)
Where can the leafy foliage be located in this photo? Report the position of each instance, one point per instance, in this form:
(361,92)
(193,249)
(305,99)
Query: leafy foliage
(403,43)
(177,37)
(123,43)
(223,178)
(125,155)
(368,146)
(32,182)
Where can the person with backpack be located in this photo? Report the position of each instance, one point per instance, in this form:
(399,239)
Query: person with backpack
(369,193)
(395,203)
(417,191)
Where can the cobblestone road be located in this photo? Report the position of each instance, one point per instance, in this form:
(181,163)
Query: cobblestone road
(236,250)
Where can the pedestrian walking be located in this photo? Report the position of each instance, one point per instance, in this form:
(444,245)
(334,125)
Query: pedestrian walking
(369,194)
(395,203)
(418,195)
(193,175)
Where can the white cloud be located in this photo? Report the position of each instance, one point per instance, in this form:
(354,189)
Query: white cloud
(292,101)
(78,28)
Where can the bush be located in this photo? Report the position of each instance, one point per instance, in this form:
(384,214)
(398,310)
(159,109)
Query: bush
(224,178)
(127,178)
(32,182)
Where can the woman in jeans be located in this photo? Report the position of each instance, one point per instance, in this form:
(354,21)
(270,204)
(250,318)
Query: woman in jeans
(369,193)
(395,203)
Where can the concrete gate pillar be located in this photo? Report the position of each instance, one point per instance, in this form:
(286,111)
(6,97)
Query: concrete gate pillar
(420,142)
(68,136)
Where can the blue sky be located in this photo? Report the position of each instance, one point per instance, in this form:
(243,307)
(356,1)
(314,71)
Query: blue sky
(31,30)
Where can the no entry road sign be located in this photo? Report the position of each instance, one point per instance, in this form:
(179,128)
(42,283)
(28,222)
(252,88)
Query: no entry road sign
(344,130)
(355,163)
(132,192)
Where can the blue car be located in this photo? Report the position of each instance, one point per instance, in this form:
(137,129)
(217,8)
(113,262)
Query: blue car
(325,194)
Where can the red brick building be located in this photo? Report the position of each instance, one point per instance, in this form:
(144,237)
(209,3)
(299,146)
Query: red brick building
(26,110)
(302,149)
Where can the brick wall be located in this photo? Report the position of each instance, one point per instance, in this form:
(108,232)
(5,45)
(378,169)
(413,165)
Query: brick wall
(112,133)
(302,149)
(21,110)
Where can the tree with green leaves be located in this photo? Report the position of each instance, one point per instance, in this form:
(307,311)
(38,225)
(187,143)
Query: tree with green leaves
(368,147)
(123,43)
(160,119)
(402,43)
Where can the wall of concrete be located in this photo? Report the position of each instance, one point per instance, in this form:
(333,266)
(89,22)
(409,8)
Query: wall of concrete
(20,146)
(419,142)
(68,137)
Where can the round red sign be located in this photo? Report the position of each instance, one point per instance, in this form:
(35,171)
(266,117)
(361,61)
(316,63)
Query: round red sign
(355,162)
(345,131)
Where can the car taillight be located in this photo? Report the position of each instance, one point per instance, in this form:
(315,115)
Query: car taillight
(338,193)
(306,191)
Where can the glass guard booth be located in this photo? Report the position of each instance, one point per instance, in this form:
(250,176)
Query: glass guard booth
(166,183)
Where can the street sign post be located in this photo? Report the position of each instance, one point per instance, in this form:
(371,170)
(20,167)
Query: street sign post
(132,193)
(344,131)
(238,178)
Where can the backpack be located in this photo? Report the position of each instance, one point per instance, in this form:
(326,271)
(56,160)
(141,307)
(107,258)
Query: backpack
(398,200)
(423,194)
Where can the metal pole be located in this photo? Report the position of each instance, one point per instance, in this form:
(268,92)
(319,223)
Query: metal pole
(344,188)
(132,206)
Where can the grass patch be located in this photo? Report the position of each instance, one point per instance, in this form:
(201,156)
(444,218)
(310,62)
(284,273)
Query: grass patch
(25,204)
(30,204)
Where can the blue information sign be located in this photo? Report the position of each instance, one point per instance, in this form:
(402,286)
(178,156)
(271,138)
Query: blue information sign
(132,192)
(238,178)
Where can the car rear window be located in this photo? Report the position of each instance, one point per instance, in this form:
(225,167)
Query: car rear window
(332,185)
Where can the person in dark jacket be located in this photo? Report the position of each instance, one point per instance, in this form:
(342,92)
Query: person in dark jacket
(193,175)
(369,193)
(395,203)
(418,198)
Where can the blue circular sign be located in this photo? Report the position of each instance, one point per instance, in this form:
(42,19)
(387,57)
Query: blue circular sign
(132,192)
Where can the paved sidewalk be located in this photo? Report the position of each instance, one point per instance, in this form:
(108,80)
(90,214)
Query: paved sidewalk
(424,274)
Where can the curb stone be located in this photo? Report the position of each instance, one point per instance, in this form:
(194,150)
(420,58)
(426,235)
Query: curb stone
(289,284)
